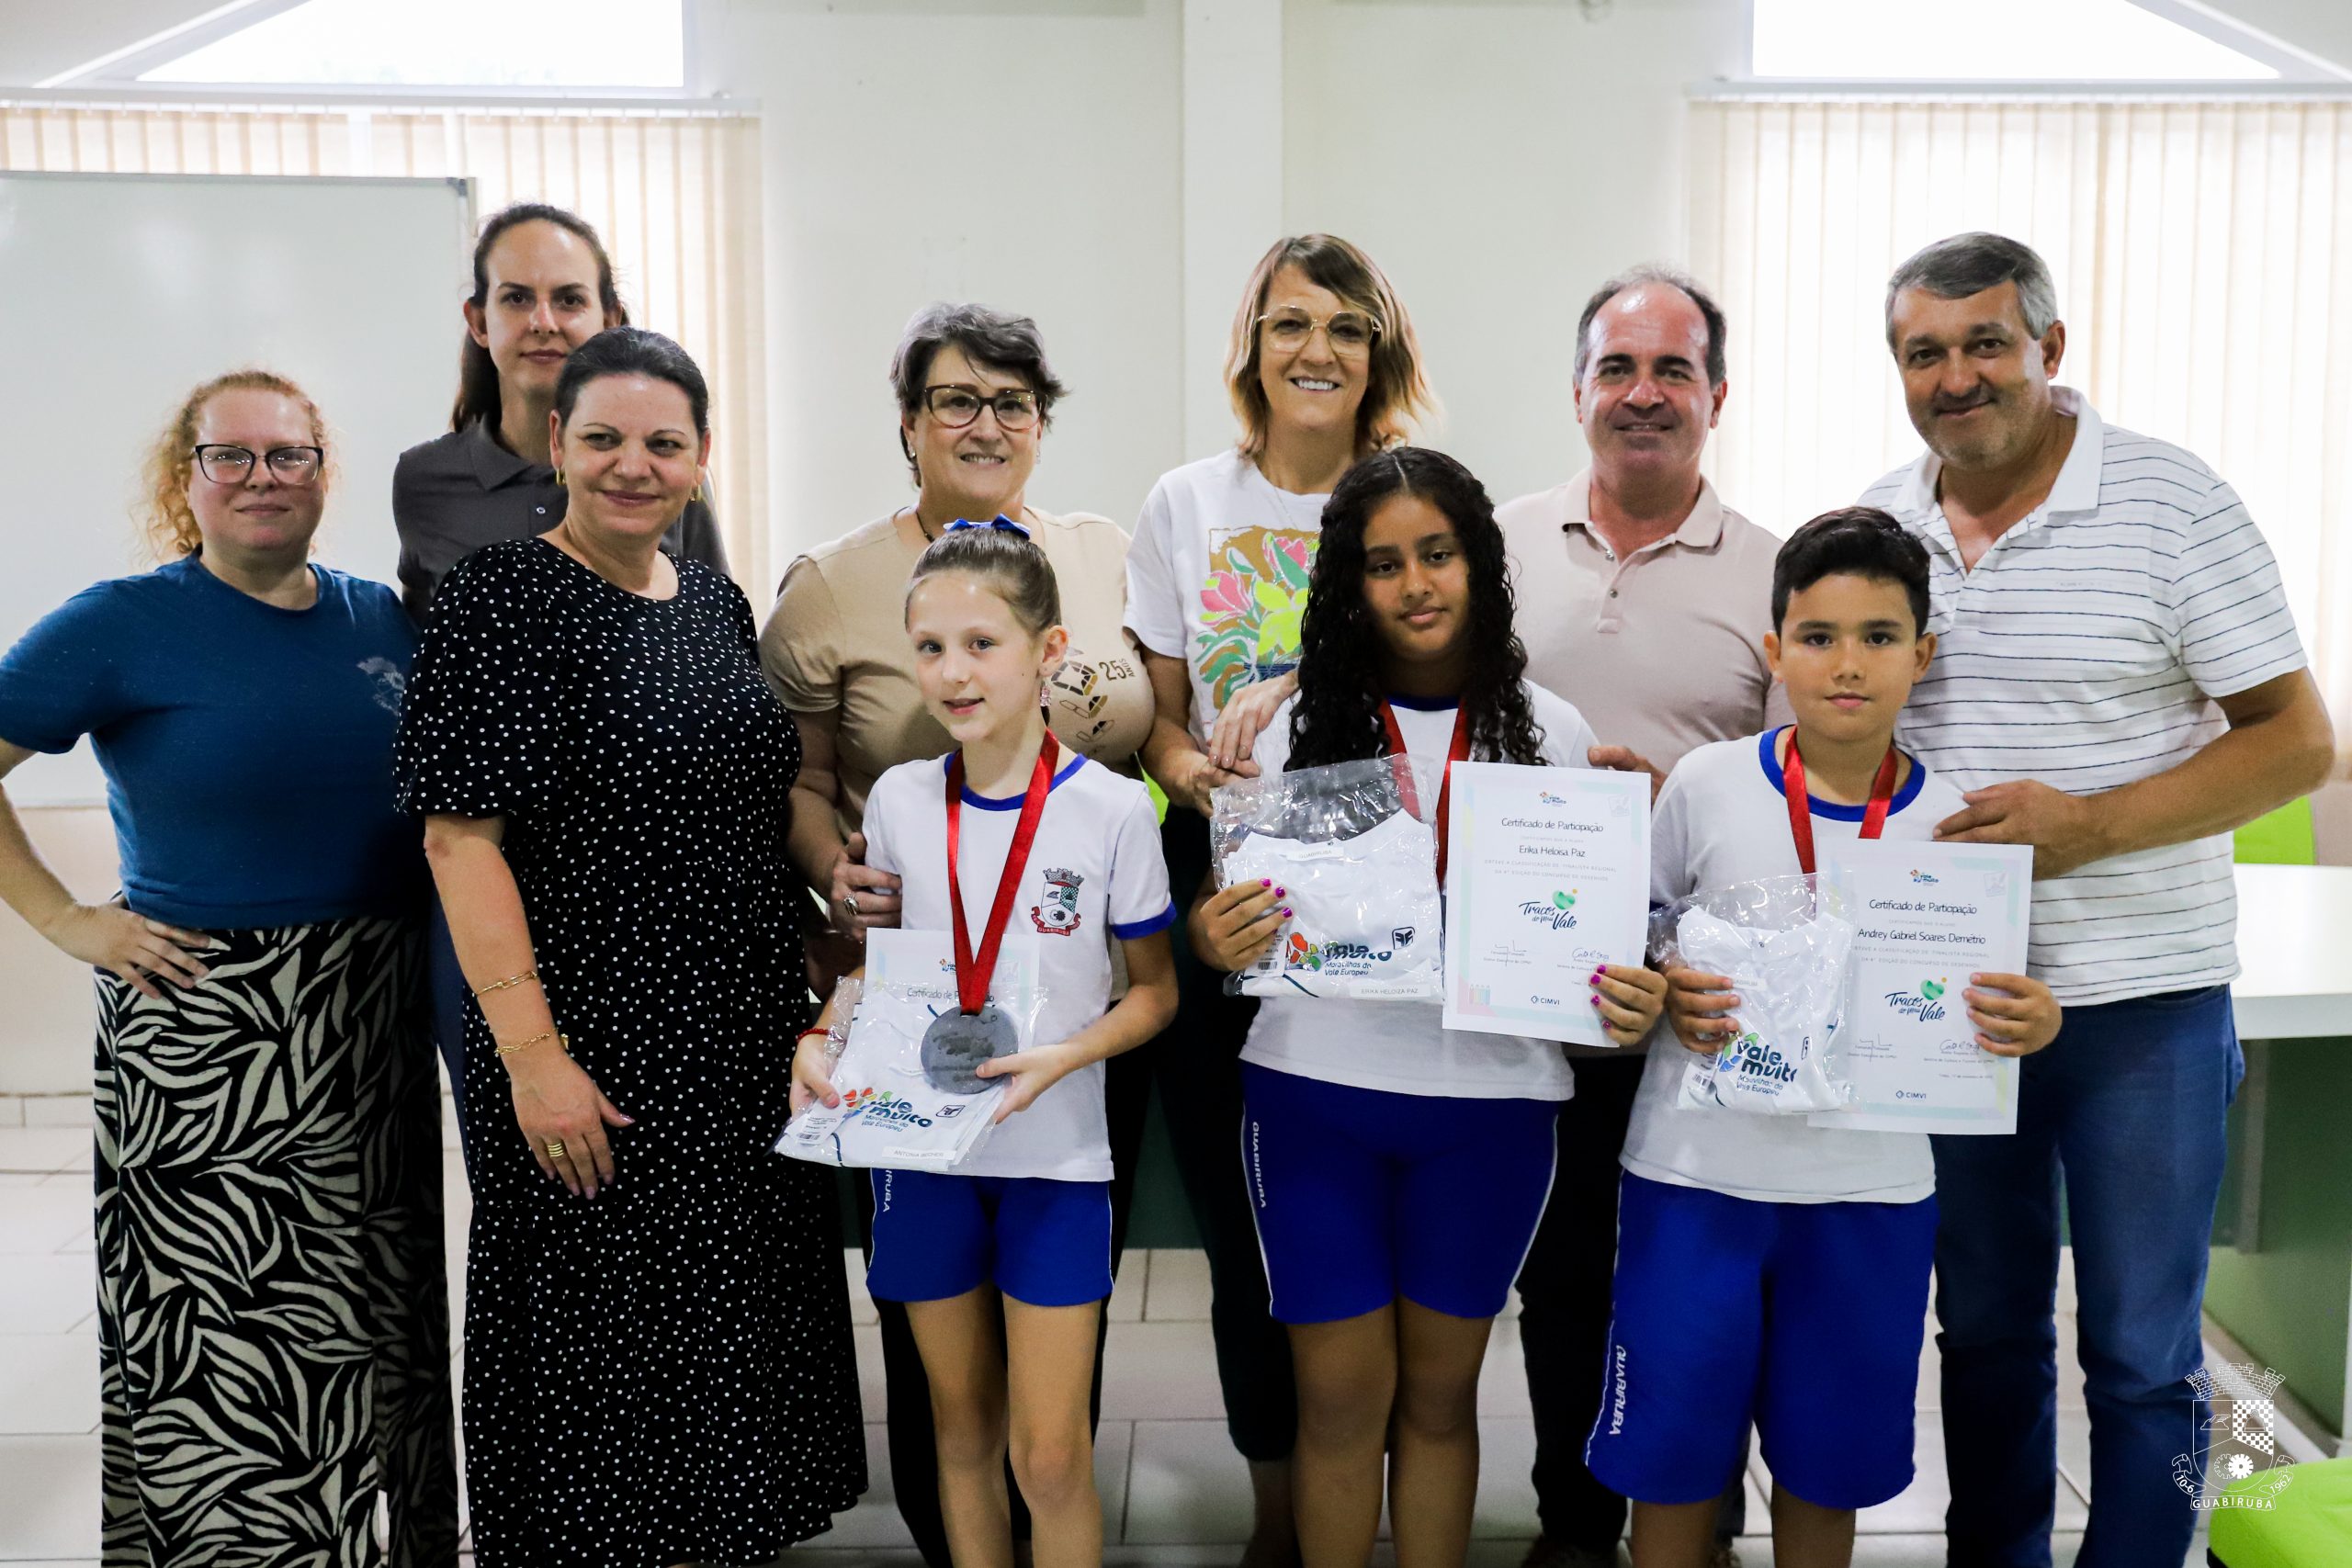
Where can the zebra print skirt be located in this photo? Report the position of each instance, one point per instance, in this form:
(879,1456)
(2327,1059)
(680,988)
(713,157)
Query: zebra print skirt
(273,1315)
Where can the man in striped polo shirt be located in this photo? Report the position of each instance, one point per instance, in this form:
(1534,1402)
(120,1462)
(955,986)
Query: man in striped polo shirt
(2116,683)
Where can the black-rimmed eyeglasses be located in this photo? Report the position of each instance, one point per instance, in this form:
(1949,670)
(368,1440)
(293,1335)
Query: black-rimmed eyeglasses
(955,406)
(226,465)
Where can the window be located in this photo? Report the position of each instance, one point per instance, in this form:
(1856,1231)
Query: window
(473,43)
(2005,40)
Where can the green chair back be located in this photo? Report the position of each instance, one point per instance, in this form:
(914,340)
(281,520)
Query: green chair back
(2283,837)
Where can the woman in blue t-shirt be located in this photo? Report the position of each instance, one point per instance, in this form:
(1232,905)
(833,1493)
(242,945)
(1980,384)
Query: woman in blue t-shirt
(273,1324)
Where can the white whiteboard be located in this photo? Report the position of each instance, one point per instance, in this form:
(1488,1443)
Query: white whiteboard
(123,291)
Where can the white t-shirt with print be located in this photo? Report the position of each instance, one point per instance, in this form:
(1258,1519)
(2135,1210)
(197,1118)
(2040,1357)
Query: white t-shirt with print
(1404,1047)
(1216,576)
(1721,820)
(1095,867)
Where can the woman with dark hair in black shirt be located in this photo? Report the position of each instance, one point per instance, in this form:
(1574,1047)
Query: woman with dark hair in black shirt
(543,286)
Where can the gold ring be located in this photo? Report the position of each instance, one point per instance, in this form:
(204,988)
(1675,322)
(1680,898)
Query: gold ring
(555,1148)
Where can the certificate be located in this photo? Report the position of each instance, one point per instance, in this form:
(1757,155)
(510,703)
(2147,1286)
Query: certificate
(919,967)
(1547,876)
(1926,918)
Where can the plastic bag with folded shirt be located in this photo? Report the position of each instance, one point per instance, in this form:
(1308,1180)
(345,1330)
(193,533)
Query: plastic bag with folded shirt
(908,1103)
(1787,949)
(1360,868)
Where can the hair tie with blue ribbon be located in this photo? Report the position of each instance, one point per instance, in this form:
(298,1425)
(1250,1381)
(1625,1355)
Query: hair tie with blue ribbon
(1000,523)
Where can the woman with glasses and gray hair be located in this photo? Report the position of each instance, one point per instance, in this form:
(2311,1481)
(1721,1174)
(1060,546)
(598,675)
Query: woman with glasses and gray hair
(976,396)
(273,1319)
(1322,368)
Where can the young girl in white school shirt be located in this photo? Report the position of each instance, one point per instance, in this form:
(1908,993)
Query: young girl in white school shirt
(1021,1230)
(1397,1168)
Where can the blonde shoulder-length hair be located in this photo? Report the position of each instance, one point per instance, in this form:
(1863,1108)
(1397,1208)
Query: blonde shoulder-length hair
(163,510)
(1398,396)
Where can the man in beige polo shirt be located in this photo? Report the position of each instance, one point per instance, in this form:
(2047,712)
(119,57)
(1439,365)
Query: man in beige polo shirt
(1643,600)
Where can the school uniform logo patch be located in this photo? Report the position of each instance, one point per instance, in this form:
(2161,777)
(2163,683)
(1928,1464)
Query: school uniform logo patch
(1057,914)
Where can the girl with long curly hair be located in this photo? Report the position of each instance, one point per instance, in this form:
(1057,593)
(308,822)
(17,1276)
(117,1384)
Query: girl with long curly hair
(1397,1168)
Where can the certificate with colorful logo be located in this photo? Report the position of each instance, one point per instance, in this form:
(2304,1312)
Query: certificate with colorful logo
(1547,877)
(1926,918)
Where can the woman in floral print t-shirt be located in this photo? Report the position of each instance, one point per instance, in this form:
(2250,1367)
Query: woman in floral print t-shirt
(1323,369)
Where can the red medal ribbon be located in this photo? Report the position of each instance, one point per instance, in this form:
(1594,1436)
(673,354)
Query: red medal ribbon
(1801,807)
(972,974)
(1456,750)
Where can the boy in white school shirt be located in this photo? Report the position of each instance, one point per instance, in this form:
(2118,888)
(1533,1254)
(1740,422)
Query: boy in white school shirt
(1770,1271)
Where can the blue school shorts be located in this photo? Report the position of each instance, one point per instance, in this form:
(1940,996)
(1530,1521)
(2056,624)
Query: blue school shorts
(1805,1318)
(1363,1195)
(937,1235)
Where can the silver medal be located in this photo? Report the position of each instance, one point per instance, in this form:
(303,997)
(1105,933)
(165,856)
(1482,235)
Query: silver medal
(958,1042)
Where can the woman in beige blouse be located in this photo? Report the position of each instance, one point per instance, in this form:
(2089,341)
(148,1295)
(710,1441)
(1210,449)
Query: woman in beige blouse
(974,399)
(975,396)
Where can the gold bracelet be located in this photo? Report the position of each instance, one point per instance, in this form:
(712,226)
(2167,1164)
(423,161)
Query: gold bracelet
(534,1040)
(509,980)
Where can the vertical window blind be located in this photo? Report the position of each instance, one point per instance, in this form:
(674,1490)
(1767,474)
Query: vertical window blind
(675,193)
(2202,252)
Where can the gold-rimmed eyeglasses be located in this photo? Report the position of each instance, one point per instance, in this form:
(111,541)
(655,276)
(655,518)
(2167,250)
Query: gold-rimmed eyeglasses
(1349,331)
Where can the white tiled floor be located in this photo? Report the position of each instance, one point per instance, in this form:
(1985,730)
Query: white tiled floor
(1173,1490)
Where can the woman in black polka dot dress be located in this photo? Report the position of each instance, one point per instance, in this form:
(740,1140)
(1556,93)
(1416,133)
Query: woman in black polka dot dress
(658,1360)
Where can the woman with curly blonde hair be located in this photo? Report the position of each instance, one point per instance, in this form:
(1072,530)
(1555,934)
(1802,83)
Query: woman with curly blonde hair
(273,1327)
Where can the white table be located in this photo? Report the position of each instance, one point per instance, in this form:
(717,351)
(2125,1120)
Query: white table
(2295,947)
(2295,958)
(2295,952)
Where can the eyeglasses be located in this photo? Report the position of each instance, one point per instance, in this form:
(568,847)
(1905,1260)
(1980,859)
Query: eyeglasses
(230,464)
(1350,331)
(955,407)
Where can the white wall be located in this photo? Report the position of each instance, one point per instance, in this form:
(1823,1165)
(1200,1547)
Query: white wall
(1058,159)
(1086,160)
(1023,155)
(46,1024)
(1499,161)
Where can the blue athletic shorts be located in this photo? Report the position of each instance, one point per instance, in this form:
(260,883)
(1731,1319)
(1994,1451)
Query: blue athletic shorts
(936,1235)
(1363,1196)
(1806,1318)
